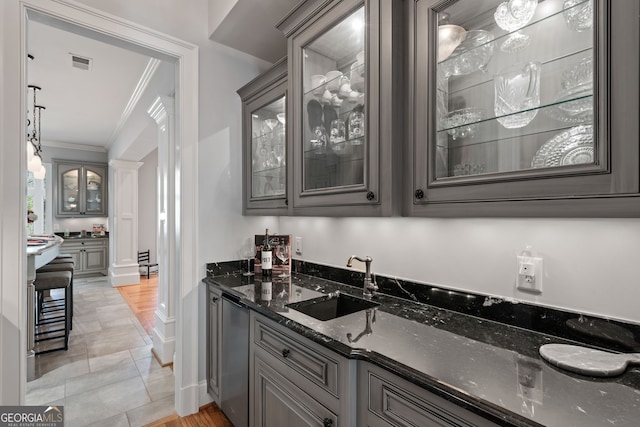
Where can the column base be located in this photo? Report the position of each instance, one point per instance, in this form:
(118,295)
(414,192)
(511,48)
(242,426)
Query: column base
(123,275)
(164,338)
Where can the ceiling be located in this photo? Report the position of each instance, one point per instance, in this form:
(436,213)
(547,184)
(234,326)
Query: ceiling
(250,27)
(88,108)
(83,107)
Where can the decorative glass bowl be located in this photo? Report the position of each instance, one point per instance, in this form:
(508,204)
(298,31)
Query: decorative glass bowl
(473,54)
(460,123)
(449,38)
(511,16)
(578,14)
(574,103)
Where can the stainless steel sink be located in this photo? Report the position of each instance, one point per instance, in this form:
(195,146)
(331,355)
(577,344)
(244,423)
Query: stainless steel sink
(332,306)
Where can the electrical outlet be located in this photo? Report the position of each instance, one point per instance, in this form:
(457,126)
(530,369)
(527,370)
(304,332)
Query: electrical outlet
(529,274)
(298,245)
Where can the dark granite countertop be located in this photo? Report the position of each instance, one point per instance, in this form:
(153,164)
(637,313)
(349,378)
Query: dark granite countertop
(488,367)
(78,235)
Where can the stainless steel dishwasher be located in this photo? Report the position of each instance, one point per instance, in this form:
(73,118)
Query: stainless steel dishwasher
(234,385)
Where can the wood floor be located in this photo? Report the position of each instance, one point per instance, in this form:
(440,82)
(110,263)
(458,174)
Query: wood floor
(209,416)
(143,300)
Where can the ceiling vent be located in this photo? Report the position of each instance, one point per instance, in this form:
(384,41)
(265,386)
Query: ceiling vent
(81,62)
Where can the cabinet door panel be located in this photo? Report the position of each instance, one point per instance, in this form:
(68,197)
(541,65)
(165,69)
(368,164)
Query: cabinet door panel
(265,142)
(279,403)
(387,400)
(94,184)
(69,189)
(95,258)
(345,74)
(507,115)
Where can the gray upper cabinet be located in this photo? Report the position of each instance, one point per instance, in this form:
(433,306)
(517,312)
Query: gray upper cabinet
(345,80)
(265,151)
(523,108)
(80,189)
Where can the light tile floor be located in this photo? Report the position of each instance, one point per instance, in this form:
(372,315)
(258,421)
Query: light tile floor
(108,377)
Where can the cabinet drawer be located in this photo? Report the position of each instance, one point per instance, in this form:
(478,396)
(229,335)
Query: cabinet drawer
(403,404)
(84,243)
(312,363)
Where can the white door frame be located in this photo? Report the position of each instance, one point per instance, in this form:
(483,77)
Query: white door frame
(14,15)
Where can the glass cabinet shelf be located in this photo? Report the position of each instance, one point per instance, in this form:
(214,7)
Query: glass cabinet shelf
(511,79)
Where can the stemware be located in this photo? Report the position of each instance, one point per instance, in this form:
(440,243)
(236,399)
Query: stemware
(282,253)
(511,16)
(248,250)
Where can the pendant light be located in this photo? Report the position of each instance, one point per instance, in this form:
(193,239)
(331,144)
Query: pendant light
(34,145)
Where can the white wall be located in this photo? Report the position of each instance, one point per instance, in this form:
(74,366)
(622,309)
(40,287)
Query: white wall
(221,72)
(589,263)
(147,204)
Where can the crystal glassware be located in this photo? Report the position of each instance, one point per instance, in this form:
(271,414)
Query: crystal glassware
(511,16)
(578,14)
(449,38)
(471,55)
(460,123)
(337,135)
(515,91)
(249,252)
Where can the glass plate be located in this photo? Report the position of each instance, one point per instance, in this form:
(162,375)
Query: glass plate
(571,147)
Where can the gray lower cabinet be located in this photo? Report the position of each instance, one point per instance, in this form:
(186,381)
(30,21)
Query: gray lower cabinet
(294,381)
(386,400)
(279,402)
(214,312)
(91,255)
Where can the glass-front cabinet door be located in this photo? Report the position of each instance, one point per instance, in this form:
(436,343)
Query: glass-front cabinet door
(518,105)
(81,189)
(268,150)
(345,81)
(265,152)
(94,190)
(69,188)
(334,85)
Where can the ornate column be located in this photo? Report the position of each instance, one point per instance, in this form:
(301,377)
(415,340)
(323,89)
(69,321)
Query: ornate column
(164,331)
(123,223)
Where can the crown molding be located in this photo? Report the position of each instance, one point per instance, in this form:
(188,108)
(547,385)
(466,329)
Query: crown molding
(72,146)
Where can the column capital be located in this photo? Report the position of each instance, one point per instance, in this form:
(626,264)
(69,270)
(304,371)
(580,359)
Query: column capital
(161,108)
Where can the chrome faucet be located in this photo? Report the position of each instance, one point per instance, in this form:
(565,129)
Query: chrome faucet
(370,286)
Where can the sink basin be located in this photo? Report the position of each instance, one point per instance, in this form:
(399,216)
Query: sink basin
(332,306)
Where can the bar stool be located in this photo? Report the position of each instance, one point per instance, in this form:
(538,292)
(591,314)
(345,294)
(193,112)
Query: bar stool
(47,282)
(53,266)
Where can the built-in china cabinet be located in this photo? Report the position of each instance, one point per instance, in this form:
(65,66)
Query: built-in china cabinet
(265,150)
(345,90)
(462,108)
(522,108)
(80,189)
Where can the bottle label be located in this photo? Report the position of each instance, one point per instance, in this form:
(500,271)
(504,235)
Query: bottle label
(267,263)
(266,291)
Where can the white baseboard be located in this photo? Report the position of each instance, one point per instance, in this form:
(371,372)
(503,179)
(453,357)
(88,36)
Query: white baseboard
(204,395)
(187,400)
(123,278)
(164,348)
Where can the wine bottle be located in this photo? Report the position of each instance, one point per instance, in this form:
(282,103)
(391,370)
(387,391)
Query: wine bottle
(267,256)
